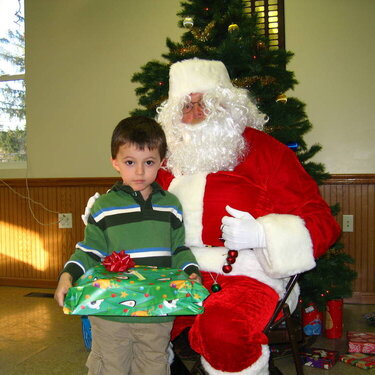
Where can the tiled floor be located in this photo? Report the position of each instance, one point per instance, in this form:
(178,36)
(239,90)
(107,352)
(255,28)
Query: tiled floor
(36,338)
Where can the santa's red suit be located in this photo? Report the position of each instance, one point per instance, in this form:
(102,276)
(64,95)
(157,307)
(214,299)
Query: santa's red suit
(271,185)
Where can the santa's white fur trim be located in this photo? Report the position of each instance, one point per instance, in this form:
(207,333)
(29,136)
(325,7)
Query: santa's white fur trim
(289,246)
(260,367)
(170,354)
(197,76)
(212,259)
(190,191)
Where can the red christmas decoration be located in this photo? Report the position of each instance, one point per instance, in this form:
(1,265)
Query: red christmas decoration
(233,253)
(231,259)
(118,262)
(227,268)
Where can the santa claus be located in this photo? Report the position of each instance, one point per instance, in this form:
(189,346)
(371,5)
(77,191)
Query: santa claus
(252,214)
(243,193)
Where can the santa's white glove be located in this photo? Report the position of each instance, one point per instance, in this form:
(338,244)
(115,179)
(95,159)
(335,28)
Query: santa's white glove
(241,231)
(89,205)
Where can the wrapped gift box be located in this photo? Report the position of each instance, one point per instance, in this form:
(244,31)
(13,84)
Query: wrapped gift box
(141,291)
(360,360)
(361,342)
(320,358)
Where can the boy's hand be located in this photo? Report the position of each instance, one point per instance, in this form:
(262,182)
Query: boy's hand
(63,286)
(195,278)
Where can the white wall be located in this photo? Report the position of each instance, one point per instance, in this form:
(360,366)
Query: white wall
(80,60)
(81,54)
(334,48)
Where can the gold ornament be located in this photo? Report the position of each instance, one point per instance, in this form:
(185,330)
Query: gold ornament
(233,27)
(282,98)
(188,22)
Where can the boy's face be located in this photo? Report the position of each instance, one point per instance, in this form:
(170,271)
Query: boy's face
(138,168)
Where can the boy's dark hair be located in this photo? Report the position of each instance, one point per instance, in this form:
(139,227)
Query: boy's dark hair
(140,131)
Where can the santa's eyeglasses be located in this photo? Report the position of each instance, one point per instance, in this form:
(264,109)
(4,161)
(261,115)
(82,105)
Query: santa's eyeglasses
(188,107)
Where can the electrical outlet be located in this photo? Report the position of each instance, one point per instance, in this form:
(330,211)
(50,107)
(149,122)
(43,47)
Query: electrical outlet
(65,220)
(347,223)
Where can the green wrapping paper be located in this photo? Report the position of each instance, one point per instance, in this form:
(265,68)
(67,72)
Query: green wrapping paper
(141,291)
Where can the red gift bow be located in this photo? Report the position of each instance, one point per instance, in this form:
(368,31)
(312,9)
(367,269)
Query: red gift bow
(118,262)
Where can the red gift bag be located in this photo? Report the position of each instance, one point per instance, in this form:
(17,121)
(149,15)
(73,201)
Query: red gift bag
(312,320)
(333,319)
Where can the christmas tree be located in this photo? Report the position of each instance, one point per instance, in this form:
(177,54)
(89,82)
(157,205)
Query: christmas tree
(331,278)
(223,30)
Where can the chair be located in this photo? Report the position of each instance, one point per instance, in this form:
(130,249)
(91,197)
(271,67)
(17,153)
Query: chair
(272,331)
(292,329)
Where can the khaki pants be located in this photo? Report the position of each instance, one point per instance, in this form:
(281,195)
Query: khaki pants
(128,348)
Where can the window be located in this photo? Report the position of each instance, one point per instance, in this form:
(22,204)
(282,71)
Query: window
(12,85)
(270,19)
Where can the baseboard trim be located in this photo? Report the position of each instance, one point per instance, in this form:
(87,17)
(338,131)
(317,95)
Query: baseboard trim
(361,298)
(28,283)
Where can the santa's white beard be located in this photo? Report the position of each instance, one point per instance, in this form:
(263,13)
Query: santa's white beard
(210,146)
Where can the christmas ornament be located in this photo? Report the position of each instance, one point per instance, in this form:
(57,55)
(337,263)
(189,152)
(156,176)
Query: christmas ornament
(233,27)
(227,268)
(188,22)
(233,253)
(282,98)
(293,145)
(231,259)
(215,287)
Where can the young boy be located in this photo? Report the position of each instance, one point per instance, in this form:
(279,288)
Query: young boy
(137,216)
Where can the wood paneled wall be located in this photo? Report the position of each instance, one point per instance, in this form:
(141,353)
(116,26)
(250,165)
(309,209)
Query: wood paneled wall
(33,249)
(356,196)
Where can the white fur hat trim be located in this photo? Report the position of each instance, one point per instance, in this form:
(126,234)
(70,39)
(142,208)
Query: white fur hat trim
(197,76)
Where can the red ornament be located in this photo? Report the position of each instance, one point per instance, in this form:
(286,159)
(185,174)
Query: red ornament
(231,260)
(233,253)
(118,262)
(227,268)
